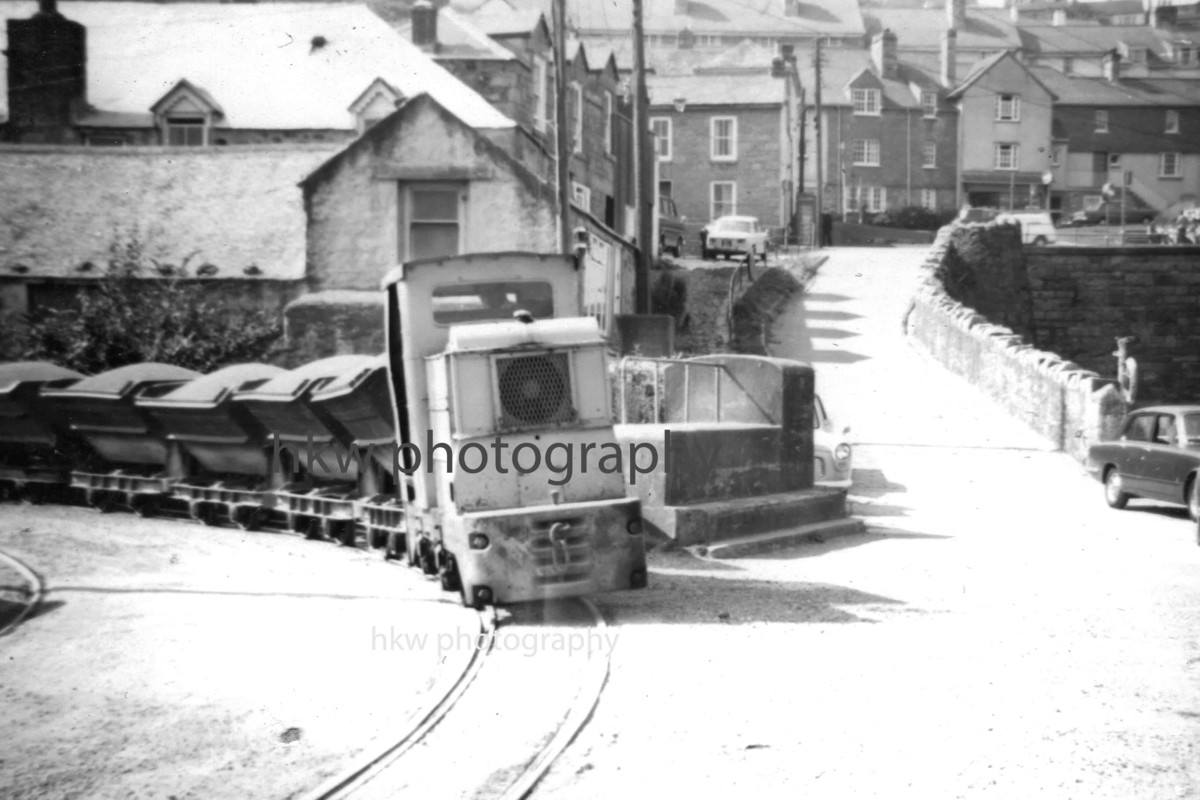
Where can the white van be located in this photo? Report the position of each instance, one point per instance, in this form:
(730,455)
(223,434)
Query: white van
(1036,226)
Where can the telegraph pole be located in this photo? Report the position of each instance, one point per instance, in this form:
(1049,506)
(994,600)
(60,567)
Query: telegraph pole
(562,139)
(643,192)
(820,193)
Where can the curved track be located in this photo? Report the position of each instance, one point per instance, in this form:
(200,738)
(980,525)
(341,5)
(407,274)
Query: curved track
(36,591)
(426,760)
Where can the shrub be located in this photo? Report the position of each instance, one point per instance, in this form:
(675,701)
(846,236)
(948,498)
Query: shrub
(913,218)
(141,310)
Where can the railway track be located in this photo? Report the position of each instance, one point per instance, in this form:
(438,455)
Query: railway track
(498,741)
(33,593)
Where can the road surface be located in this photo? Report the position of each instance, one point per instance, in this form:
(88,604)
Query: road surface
(998,632)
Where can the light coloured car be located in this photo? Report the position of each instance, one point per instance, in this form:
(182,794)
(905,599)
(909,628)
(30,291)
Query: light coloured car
(1037,227)
(735,237)
(832,454)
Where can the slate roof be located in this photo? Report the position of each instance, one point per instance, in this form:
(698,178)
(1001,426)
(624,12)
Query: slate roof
(756,17)
(260,62)
(459,37)
(1126,92)
(922,28)
(1068,39)
(233,206)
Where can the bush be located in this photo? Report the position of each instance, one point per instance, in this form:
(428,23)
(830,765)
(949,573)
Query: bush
(141,310)
(913,218)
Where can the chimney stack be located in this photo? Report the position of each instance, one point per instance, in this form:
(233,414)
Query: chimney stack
(424,25)
(883,54)
(949,58)
(47,76)
(1058,17)
(1112,66)
(956,13)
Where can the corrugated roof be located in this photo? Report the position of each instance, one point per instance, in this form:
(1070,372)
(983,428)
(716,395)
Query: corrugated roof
(261,62)
(922,28)
(234,206)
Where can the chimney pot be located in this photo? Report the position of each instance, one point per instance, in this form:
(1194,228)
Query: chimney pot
(424,24)
(1112,66)
(883,54)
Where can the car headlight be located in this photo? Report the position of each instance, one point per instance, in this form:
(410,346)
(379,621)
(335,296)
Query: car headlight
(842,452)
(478,541)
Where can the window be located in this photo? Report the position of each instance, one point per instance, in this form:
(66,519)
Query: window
(430,226)
(929,199)
(724,199)
(1137,55)
(1168,430)
(540,80)
(929,104)
(494,300)
(709,40)
(1172,122)
(876,198)
(608,122)
(577,118)
(1101,121)
(666,189)
(1054,156)
(929,155)
(866,101)
(661,128)
(866,152)
(1006,156)
(1114,160)
(582,196)
(1008,108)
(1169,165)
(723,132)
(185,131)
(1068,65)
(1140,428)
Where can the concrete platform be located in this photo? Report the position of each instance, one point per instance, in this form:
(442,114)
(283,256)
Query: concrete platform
(724,520)
(757,544)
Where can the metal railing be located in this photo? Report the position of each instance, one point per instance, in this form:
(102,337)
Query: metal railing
(714,376)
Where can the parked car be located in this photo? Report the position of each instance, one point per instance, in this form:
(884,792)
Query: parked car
(735,237)
(1108,214)
(1037,227)
(1157,457)
(972,214)
(670,227)
(832,454)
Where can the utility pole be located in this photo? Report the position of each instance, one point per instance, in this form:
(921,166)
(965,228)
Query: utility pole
(562,138)
(643,193)
(820,151)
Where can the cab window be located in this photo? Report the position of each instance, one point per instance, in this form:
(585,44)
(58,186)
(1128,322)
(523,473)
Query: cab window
(490,301)
(1140,428)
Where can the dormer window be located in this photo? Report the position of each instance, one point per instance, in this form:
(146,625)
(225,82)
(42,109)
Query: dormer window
(1101,120)
(376,103)
(1134,55)
(186,115)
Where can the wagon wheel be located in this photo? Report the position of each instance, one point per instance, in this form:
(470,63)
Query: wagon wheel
(206,514)
(251,519)
(345,532)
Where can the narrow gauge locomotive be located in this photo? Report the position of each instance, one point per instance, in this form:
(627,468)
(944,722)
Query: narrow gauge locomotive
(490,352)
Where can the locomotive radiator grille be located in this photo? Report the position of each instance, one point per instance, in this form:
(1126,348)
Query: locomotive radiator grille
(562,552)
(534,390)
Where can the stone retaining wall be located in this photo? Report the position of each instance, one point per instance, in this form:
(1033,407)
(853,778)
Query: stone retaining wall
(1071,406)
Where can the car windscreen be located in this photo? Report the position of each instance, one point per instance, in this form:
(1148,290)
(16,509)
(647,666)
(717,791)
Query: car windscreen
(1191,428)
(1141,428)
(735,226)
(492,300)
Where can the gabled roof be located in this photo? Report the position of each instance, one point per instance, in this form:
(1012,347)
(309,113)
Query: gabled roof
(183,89)
(378,87)
(271,66)
(987,65)
(235,207)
